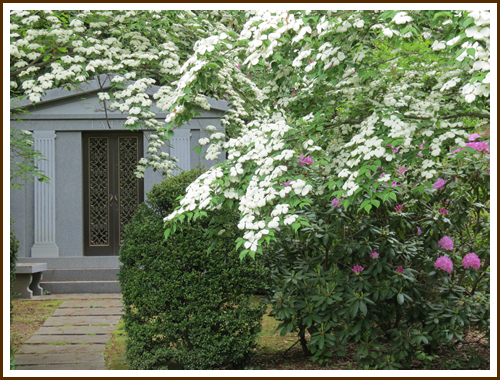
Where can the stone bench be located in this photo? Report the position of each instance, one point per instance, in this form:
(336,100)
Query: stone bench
(28,277)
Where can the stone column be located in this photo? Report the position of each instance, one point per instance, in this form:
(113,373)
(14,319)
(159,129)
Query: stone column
(181,148)
(45,198)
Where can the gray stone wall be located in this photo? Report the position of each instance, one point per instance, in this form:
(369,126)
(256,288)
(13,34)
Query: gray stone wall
(69,193)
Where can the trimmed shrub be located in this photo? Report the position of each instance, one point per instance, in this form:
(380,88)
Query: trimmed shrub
(184,306)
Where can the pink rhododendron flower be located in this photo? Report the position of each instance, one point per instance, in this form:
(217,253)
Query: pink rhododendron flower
(374,255)
(443,211)
(400,271)
(419,231)
(358,269)
(479,146)
(474,136)
(398,208)
(446,243)
(335,202)
(305,160)
(237,66)
(249,75)
(444,263)
(287,183)
(471,261)
(402,170)
(439,184)
(294,92)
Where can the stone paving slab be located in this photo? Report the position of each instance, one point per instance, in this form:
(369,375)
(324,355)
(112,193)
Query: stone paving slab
(72,339)
(89,312)
(84,320)
(75,330)
(66,348)
(106,303)
(73,325)
(81,296)
(46,359)
(65,367)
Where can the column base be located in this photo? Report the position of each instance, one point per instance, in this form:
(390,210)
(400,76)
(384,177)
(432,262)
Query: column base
(40,250)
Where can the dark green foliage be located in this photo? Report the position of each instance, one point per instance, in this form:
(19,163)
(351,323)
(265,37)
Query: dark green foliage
(185,307)
(14,246)
(393,317)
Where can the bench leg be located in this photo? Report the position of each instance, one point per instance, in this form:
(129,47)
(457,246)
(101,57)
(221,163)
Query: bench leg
(22,285)
(35,284)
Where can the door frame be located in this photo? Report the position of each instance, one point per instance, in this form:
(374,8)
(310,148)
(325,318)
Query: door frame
(112,200)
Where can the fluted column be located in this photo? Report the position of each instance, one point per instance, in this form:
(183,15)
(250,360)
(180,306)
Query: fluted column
(45,198)
(181,148)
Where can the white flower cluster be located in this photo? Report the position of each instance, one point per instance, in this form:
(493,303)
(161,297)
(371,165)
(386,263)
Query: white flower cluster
(253,150)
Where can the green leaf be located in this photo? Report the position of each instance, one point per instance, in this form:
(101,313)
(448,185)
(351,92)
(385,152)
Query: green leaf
(401,299)
(376,202)
(362,307)
(354,308)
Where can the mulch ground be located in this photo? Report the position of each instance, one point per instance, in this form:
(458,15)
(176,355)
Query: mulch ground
(473,354)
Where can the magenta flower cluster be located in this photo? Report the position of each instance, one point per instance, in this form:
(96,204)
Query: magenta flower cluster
(336,202)
(400,271)
(479,146)
(374,255)
(474,136)
(358,269)
(443,211)
(444,263)
(305,160)
(402,170)
(446,243)
(287,183)
(471,261)
(419,231)
(398,208)
(439,184)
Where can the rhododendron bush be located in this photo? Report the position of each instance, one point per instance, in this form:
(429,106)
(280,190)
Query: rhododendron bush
(355,147)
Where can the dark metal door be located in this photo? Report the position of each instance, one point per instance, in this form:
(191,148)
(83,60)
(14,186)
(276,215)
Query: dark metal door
(110,194)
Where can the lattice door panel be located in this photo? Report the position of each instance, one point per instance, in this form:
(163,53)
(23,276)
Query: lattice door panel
(111,194)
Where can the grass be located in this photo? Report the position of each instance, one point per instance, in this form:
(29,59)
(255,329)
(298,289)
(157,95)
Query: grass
(114,354)
(27,317)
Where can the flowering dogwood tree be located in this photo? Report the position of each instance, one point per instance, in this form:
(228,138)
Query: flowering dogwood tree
(362,92)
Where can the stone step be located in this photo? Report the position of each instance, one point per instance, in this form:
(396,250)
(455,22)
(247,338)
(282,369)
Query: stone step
(85,304)
(89,311)
(66,348)
(76,330)
(75,287)
(63,367)
(70,339)
(82,321)
(44,359)
(81,274)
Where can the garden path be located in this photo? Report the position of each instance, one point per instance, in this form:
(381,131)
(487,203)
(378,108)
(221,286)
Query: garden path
(75,337)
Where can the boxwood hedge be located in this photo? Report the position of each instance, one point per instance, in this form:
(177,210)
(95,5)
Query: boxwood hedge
(185,307)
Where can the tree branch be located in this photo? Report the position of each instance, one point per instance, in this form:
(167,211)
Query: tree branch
(41,64)
(471,114)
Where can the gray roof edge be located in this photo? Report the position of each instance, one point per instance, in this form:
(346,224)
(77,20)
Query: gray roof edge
(92,87)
